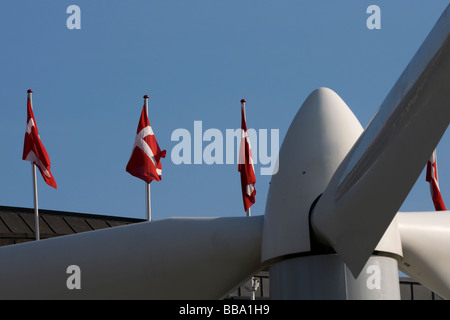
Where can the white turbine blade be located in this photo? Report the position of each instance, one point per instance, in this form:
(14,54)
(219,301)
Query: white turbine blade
(179,258)
(426,241)
(372,182)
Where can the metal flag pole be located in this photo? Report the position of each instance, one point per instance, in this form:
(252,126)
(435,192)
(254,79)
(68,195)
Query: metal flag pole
(148,203)
(36,210)
(254,281)
(148,200)
(35,193)
(243,101)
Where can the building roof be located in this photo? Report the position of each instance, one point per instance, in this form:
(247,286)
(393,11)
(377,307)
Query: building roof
(17,224)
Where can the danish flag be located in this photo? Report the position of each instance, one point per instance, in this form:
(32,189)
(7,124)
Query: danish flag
(432,178)
(145,158)
(245,166)
(33,149)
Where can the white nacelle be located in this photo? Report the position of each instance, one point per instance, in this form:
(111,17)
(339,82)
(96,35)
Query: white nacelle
(320,136)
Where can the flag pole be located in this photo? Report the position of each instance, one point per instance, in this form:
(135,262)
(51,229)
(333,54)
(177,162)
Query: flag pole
(148,202)
(36,210)
(254,281)
(35,192)
(243,101)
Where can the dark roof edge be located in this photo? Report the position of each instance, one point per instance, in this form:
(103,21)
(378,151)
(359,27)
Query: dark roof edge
(74,214)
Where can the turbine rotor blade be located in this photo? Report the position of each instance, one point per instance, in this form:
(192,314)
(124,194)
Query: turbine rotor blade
(426,256)
(177,258)
(373,180)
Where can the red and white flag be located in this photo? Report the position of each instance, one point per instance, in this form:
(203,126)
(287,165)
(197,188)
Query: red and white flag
(245,166)
(33,149)
(145,158)
(432,178)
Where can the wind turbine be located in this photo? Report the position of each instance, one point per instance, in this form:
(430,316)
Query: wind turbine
(331,222)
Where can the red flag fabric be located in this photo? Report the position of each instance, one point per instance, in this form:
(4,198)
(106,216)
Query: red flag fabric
(245,166)
(432,178)
(33,149)
(145,158)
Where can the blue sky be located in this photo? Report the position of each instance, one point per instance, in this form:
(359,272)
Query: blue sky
(196,59)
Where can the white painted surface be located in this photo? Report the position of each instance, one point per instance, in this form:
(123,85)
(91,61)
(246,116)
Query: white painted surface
(321,134)
(426,249)
(179,258)
(374,179)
